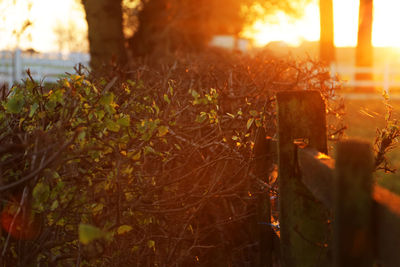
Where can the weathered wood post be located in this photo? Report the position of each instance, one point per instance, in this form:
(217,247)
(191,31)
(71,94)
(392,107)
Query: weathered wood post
(262,168)
(353,205)
(305,232)
(387,225)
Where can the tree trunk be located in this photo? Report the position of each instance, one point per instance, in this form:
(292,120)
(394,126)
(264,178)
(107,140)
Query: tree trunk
(106,39)
(165,26)
(326,43)
(153,26)
(364,50)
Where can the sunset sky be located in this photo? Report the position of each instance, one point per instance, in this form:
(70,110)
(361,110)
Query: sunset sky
(49,15)
(294,31)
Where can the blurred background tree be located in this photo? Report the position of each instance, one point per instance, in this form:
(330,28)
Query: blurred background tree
(364,49)
(162,26)
(106,39)
(70,37)
(327,46)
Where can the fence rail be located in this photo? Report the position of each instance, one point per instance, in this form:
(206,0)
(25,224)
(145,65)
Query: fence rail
(385,77)
(52,66)
(318,175)
(331,214)
(48,67)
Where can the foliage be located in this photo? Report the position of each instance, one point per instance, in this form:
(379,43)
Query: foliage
(386,139)
(152,169)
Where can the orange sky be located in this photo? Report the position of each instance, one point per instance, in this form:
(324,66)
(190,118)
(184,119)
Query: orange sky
(47,14)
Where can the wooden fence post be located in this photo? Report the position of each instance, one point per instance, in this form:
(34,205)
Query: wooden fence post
(353,245)
(305,232)
(262,168)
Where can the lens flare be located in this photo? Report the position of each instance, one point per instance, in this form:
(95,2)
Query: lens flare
(20,223)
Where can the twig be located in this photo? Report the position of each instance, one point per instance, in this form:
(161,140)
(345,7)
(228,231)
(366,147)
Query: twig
(37,171)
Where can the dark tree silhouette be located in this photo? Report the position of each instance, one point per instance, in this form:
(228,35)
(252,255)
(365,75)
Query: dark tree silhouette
(326,47)
(168,25)
(364,50)
(106,39)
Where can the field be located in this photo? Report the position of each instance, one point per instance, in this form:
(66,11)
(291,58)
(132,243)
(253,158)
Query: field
(362,118)
(344,55)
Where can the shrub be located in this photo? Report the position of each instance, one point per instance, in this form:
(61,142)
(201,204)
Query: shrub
(154,167)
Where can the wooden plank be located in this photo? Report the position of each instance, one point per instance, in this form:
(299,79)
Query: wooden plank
(305,232)
(317,174)
(387,214)
(263,164)
(353,217)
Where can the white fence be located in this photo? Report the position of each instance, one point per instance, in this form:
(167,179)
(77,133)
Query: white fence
(385,77)
(49,67)
(46,67)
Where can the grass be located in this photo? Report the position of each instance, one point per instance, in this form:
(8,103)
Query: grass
(362,118)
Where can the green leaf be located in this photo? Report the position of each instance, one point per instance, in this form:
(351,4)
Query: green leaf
(137,155)
(253,113)
(112,126)
(29,84)
(151,244)
(156,108)
(97,208)
(57,97)
(41,192)
(170,89)
(230,115)
(124,229)
(54,205)
(124,121)
(194,93)
(162,130)
(149,150)
(34,107)
(131,83)
(107,99)
(56,175)
(89,233)
(258,123)
(249,123)
(100,114)
(135,248)
(82,135)
(177,146)
(202,117)
(15,104)
(166,99)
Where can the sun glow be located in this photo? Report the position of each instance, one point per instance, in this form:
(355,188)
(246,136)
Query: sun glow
(281,27)
(54,19)
(47,17)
